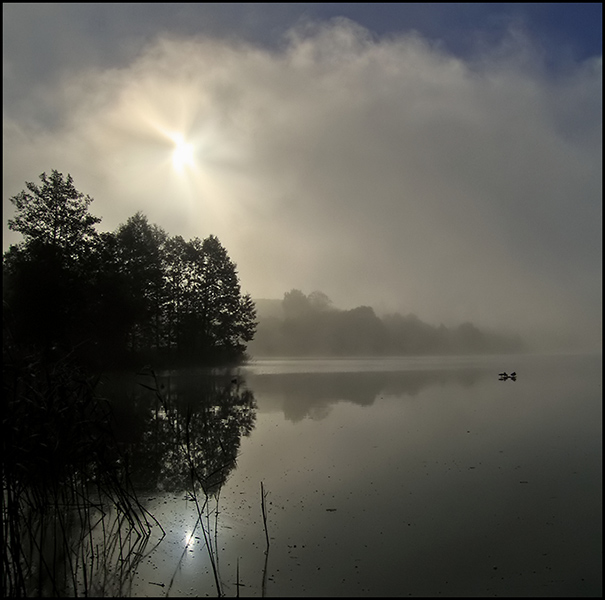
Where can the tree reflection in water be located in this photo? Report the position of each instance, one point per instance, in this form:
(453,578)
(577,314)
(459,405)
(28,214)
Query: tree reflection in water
(72,524)
(184,425)
(183,432)
(313,394)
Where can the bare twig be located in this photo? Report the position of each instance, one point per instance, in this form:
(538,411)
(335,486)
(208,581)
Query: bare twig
(262,505)
(263,495)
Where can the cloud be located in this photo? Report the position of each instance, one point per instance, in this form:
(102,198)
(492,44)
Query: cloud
(381,171)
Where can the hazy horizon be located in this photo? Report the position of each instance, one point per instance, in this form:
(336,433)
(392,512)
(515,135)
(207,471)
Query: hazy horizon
(441,160)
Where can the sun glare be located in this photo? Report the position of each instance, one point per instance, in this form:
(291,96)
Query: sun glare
(183,153)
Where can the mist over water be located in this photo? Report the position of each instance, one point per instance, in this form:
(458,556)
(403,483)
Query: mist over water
(402,476)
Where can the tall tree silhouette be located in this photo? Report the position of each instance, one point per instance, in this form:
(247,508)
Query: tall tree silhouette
(219,321)
(55,216)
(140,248)
(177,274)
(46,275)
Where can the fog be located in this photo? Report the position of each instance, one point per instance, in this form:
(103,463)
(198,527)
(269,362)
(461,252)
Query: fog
(383,171)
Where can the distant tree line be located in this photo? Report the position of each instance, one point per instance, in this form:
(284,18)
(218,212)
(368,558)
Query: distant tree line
(115,298)
(310,325)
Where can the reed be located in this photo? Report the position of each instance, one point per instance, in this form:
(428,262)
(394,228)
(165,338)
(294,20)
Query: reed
(200,431)
(263,496)
(71,522)
(201,486)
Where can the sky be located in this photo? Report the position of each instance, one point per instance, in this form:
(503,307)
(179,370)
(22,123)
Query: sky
(436,159)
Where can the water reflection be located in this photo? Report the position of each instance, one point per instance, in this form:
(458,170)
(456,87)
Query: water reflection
(72,524)
(426,483)
(181,431)
(312,394)
(181,427)
(376,477)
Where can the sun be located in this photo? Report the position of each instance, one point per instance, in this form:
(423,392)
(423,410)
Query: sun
(183,155)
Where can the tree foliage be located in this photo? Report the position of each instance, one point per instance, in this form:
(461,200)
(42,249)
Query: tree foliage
(54,215)
(46,281)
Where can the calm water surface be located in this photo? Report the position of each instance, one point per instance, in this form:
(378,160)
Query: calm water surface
(397,477)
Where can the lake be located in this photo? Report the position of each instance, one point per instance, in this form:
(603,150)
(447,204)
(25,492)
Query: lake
(382,477)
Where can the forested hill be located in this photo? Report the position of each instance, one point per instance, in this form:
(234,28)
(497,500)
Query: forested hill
(301,325)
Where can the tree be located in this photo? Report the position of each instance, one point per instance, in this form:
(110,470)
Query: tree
(319,301)
(185,298)
(140,249)
(223,320)
(246,322)
(177,275)
(110,303)
(295,304)
(359,331)
(46,276)
(55,216)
